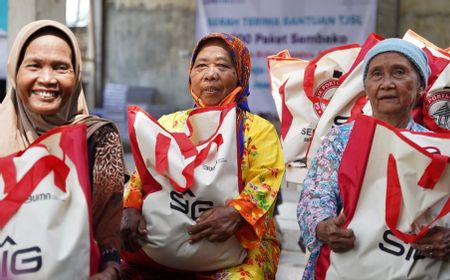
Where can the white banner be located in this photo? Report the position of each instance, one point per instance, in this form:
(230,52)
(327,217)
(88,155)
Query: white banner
(305,28)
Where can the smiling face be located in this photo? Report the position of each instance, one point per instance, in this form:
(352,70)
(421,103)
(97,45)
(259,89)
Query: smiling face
(45,78)
(213,75)
(393,85)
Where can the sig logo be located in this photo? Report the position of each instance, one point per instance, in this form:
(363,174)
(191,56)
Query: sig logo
(15,260)
(186,203)
(394,246)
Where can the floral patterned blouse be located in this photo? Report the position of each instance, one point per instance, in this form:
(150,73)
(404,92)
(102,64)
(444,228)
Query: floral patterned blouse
(320,198)
(262,168)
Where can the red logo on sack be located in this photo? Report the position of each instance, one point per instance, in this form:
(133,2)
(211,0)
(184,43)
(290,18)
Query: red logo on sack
(437,105)
(324,91)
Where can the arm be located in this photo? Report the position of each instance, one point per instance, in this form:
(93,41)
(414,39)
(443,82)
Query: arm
(320,199)
(262,172)
(133,225)
(108,178)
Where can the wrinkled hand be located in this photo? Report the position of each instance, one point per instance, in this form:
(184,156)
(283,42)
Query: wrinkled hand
(132,229)
(216,224)
(331,233)
(109,273)
(435,243)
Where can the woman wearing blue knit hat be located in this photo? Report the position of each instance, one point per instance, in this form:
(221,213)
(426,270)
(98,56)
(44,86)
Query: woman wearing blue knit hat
(395,73)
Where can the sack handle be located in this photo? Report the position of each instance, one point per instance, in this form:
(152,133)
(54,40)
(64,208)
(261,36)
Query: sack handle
(20,191)
(394,195)
(162,161)
(308,81)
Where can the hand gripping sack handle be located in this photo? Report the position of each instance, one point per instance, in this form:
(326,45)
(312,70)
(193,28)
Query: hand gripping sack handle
(433,106)
(363,180)
(432,174)
(341,106)
(47,192)
(295,82)
(184,174)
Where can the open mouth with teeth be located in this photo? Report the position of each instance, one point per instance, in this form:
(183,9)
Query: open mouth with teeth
(211,90)
(46,95)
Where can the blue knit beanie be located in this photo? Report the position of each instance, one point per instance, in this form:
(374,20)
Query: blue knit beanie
(413,53)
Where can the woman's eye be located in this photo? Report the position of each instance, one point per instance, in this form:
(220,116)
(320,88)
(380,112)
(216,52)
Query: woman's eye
(200,66)
(398,72)
(376,74)
(62,68)
(32,65)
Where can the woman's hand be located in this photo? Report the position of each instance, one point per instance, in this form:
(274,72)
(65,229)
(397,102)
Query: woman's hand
(109,273)
(435,243)
(132,229)
(331,233)
(216,224)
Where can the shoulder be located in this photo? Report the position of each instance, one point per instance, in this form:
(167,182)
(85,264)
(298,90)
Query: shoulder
(174,121)
(338,136)
(413,126)
(105,131)
(106,135)
(341,131)
(257,123)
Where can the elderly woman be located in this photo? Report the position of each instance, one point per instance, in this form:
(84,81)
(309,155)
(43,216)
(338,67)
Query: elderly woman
(395,73)
(44,73)
(219,75)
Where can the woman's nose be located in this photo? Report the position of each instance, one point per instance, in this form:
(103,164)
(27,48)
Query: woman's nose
(211,73)
(387,82)
(46,76)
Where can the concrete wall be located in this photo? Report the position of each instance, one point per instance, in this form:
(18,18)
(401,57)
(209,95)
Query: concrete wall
(148,43)
(429,18)
(387,18)
(21,12)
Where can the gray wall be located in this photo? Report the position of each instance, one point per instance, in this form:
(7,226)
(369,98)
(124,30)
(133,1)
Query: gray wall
(148,43)
(428,18)
(21,12)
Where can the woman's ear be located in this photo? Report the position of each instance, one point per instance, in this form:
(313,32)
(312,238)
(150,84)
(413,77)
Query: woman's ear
(420,92)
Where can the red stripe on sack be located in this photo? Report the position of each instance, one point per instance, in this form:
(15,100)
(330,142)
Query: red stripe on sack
(188,171)
(434,171)
(149,184)
(354,162)
(25,187)
(286,116)
(8,169)
(161,153)
(322,263)
(77,151)
(437,65)
(184,143)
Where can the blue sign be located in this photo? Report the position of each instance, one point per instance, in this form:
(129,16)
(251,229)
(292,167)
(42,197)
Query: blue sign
(3,16)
